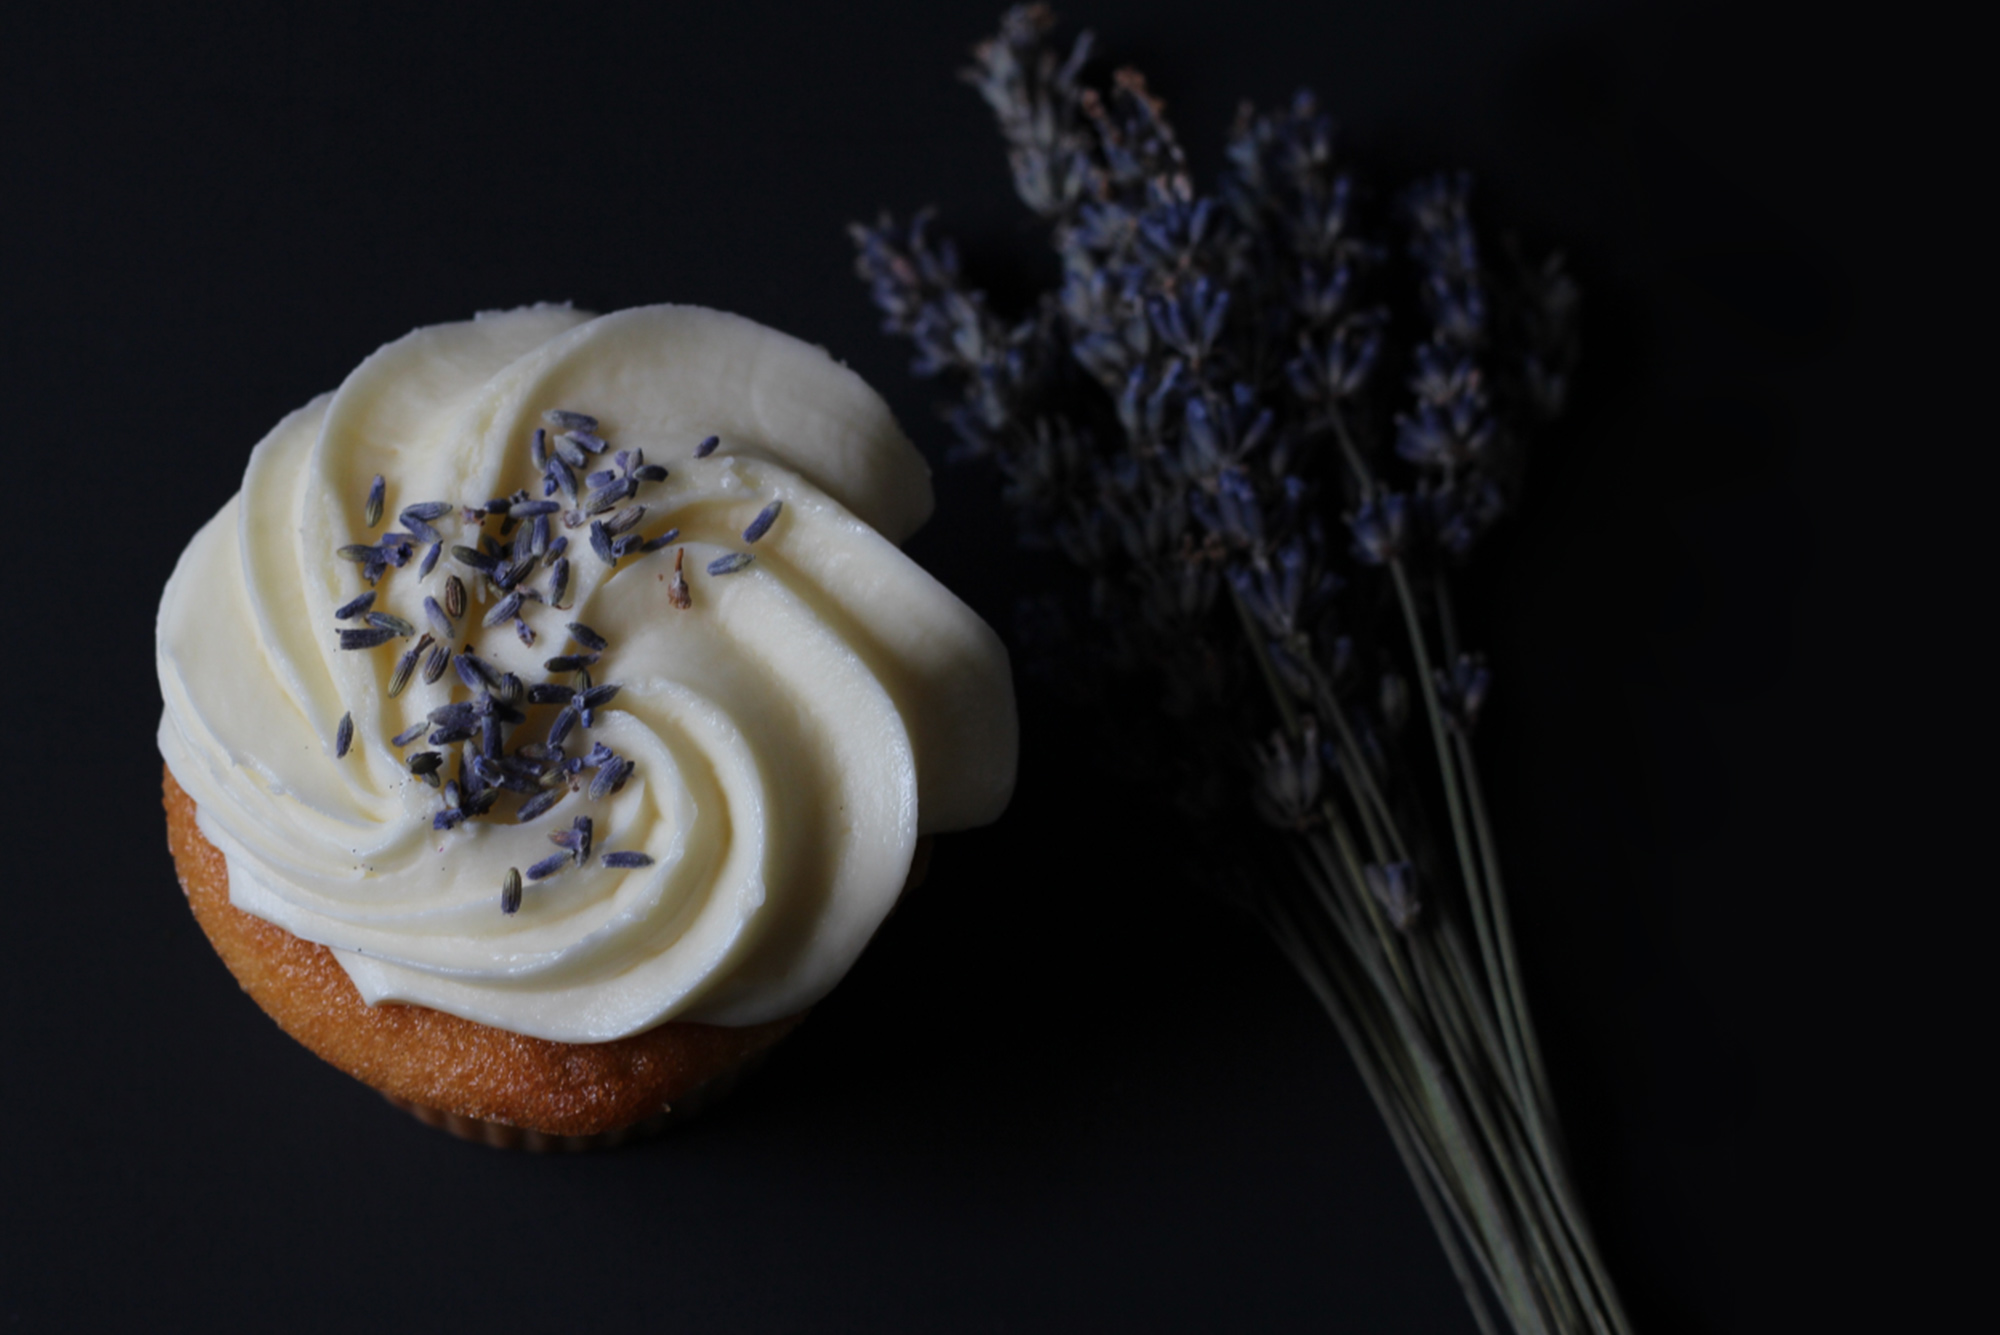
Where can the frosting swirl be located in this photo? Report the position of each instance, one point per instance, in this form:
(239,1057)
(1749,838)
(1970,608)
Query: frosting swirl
(792,732)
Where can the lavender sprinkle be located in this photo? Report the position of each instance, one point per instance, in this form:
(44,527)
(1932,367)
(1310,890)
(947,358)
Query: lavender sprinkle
(587,637)
(762,523)
(569,662)
(405,666)
(371,510)
(454,596)
(650,473)
(538,449)
(360,553)
(430,560)
(626,860)
(472,672)
(365,639)
(627,518)
(569,421)
(610,778)
(510,890)
(502,610)
(410,734)
(559,582)
(354,607)
(394,623)
(426,762)
(473,559)
(730,564)
(600,542)
(435,665)
(707,447)
(440,620)
(530,509)
(540,803)
(548,866)
(343,736)
(425,511)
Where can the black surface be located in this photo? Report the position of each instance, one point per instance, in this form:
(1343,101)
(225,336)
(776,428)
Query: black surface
(1732,628)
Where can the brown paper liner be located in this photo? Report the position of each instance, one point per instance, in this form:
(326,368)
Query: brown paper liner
(476,1081)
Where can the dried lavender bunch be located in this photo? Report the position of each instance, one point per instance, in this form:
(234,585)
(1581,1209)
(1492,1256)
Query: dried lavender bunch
(1266,422)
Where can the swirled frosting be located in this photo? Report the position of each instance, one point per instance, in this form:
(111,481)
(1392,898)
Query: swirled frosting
(792,731)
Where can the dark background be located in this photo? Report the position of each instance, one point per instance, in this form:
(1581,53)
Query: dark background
(1731,747)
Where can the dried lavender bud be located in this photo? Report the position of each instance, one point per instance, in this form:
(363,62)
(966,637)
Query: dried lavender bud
(540,803)
(365,639)
(565,420)
(538,449)
(626,859)
(430,560)
(425,511)
(502,611)
(548,866)
(454,596)
(707,447)
(624,519)
(510,884)
(532,509)
(1394,887)
(650,473)
(410,734)
(391,623)
(419,529)
(730,564)
(600,542)
(405,666)
(610,778)
(584,438)
(347,611)
(473,559)
(762,523)
(569,662)
(426,762)
(371,509)
(587,637)
(343,736)
(434,666)
(559,582)
(361,553)
(440,621)
(560,728)
(473,671)
(664,540)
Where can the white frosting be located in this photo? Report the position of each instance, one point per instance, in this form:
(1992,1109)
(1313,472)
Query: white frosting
(794,731)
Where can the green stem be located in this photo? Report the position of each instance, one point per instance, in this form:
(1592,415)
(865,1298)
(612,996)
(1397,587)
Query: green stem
(1449,1115)
(1323,979)
(1455,808)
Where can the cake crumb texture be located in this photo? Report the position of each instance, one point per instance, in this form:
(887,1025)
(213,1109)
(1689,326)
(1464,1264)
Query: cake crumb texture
(445,1062)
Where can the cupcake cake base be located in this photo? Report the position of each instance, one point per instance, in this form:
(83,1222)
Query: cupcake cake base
(479,1082)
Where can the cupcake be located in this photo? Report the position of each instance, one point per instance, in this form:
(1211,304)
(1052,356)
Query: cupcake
(552,717)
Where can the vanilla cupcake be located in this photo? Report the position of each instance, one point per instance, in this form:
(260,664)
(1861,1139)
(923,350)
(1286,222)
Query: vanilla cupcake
(552,718)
